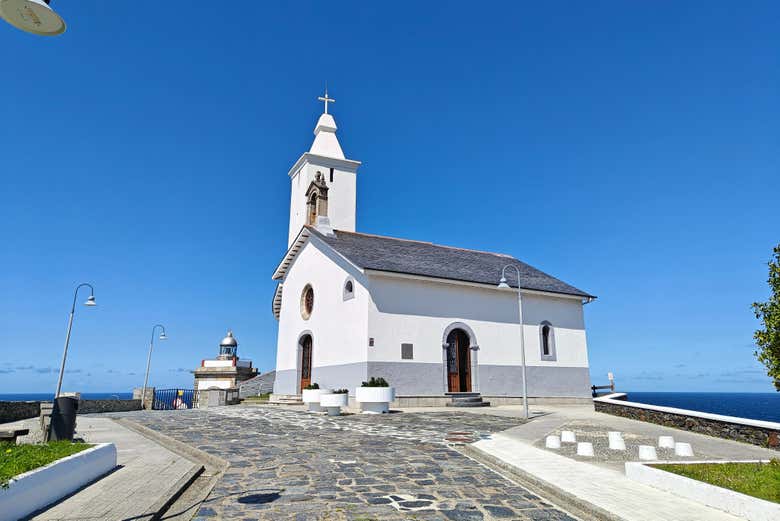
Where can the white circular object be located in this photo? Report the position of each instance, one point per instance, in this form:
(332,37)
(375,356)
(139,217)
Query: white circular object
(32,16)
(311,397)
(552,442)
(617,444)
(568,437)
(585,448)
(334,400)
(647,452)
(666,442)
(683,449)
(375,400)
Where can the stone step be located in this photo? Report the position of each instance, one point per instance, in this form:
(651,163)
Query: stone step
(464,395)
(285,399)
(469,404)
(463,399)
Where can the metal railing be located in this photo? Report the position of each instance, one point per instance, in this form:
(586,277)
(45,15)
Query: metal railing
(594,389)
(173,399)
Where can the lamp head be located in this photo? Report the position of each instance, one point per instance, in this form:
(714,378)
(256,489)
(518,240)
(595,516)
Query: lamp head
(90,301)
(502,283)
(163,336)
(32,16)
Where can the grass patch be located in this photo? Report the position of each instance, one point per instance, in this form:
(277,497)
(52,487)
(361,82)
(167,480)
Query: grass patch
(18,459)
(761,480)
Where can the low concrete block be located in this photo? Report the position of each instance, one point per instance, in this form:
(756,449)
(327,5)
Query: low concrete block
(647,452)
(552,442)
(568,437)
(41,487)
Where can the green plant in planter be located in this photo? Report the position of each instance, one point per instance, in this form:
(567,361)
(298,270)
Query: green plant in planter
(312,386)
(376,382)
(341,391)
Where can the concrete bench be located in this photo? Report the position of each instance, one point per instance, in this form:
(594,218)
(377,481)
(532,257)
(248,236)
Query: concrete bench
(10,436)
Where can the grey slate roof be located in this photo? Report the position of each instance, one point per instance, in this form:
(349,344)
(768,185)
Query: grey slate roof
(432,260)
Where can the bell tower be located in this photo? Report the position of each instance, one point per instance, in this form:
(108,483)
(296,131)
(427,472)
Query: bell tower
(323,181)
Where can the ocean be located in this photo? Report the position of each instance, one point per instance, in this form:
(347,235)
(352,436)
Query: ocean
(35,397)
(757,406)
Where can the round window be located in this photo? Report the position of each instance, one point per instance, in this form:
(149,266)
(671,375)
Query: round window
(307,301)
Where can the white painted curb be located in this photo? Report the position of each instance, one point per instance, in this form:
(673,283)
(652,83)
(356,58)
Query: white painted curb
(615,399)
(741,505)
(43,486)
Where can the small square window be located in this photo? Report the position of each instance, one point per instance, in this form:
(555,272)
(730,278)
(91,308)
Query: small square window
(371,342)
(407,351)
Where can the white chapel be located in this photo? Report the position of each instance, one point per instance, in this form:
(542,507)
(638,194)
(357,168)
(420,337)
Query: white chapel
(430,319)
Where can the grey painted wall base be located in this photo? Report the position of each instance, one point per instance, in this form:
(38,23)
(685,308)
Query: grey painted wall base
(427,379)
(442,401)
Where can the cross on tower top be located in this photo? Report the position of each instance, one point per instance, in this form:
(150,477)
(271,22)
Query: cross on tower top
(326,99)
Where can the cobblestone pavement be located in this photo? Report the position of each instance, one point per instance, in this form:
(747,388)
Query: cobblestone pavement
(287,464)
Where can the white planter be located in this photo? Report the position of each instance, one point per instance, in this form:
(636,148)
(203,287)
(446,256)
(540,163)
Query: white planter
(334,402)
(730,501)
(311,397)
(43,486)
(374,400)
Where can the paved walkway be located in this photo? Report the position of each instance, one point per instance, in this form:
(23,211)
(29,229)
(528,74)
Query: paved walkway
(592,426)
(146,473)
(602,487)
(287,464)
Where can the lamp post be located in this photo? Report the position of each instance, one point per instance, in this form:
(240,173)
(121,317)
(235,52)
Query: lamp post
(89,302)
(149,360)
(503,285)
(32,16)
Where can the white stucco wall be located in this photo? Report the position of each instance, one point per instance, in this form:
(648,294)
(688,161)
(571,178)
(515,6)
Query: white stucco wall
(338,327)
(417,311)
(341,194)
(208,383)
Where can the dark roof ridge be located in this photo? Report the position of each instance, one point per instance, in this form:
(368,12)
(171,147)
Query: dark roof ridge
(421,242)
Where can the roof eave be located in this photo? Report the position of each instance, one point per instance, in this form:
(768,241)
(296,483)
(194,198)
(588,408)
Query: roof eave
(401,274)
(292,251)
(345,164)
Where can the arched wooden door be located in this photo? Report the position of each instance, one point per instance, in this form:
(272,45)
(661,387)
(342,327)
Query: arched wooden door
(306,345)
(458,362)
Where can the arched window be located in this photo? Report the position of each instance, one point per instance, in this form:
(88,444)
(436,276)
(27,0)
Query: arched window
(547,341)
(349,289)
(307,301)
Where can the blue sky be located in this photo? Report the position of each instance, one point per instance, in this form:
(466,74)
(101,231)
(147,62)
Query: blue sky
(628,148)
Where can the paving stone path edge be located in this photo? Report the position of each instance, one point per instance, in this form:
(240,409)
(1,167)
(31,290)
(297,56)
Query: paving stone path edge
(569,502)
(200,458)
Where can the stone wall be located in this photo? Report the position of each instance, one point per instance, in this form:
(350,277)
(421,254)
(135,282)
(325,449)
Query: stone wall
(15,411)
(98,406)
(747,432)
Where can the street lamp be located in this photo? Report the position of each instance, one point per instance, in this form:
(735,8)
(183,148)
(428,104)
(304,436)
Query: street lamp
(149,360)
(503,285)
(90,302)
(32,16)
